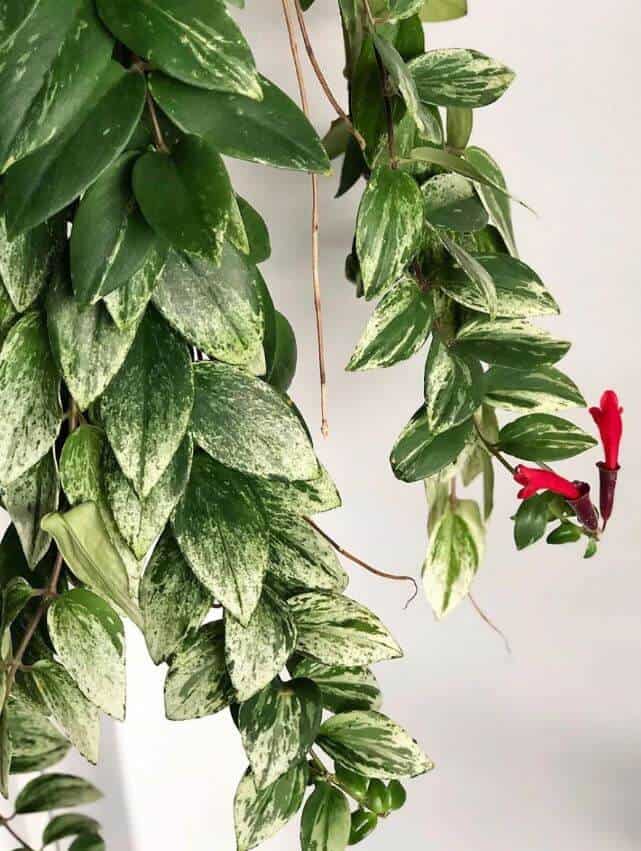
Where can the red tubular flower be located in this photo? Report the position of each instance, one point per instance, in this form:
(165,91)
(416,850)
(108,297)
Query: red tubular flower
(608,419)
(534,479)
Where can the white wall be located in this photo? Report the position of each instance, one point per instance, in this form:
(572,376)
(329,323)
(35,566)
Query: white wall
(541,749)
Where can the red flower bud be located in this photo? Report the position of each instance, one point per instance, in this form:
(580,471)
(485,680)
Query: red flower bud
(608,419)
(534,479)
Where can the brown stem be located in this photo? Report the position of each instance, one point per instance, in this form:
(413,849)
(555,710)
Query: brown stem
(159,139)
(489,622)
(391,145)
(321,77)
(395,576)
(293,44)
(5,823)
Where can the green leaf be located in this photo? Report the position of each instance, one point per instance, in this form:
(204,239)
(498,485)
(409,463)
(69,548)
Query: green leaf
(397,329)
(531,520)
(8,313)
(342,689)
(55,792)
(29,397)
(372,745)
(27,261)
(389,228)
(509,342)
(49,64)
(128,303)
(544,437)
(83,540)
(69,824)
(87,346)
(72,162)
(459,77)
(460,123)
(326,820)
(172,600)
(89,640)
(260,248)
(313,496)
(339,631)
(216,308)
(222,534)
(278,726)
(5,754)
(35,742)
(88,842)
(79,718)
(105,258)
(261,813)
(281,354)
(520,293)
(15,596)
(186,196)
(475,277)
(197,42)
(257,652)
(301,558)
(443,10)
(454,555)
(454,388)
(142,520)
(80,465)
(418,453)
(496,203)
(27,500)
(452,204)
(246,425)
(543,390)
(272,131)
(565,533)
(197,682)
(146,408)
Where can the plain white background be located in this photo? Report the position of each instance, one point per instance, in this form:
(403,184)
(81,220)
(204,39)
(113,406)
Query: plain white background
(540,749)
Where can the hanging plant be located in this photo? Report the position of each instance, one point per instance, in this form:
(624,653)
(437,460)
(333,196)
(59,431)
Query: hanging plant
(151,462)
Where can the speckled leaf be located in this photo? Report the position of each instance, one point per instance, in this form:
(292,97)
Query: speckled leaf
(454,388)
(27,261)
(84,542)
(195,41)
(520,293)
(142,520)
(89,640)
(308,497)
(372,745)
(544,437)
(79,718)
(127,304)
(105,257)
(222,534)
(69,824)
(389,228)
(35,742)
(543,390)
(197,683)
(172,600)
(71,163)
(326,821)
(261,813)
(246,425)
(81,465)
(509,342)
(186,196)
(273,131)
(342,689)
(55,792)
(496,203)
(443,10)
(27,500)
(15,596)
(29,397)
(475,276)
(257,652)
(459,77)
(301,559)
(454,554)
(48,68)
(396,330)
(216,308)
(146,408)
(418,453)
(339,631)
(278,726)
(88,347)
(8,313)
(452,204)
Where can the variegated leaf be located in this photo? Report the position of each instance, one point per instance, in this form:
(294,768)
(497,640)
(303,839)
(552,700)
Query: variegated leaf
(222,534)
(454,555)
(246,425)
(301,559)
(8,313)
(454,388)
(197,682)
(339,631)
(389,228)
(496,203)
(452,204)
(172,600)
(418,453)
(81,465)
(55,792)
(278,726)
(326,822)
(257,652)
(544,437)
(474,274)
(71,824)
(89,640)
(26,262)
(307,497)
(372,745)
(509,342)
(127,304)
(459,77)
(397,329)
(342,689)
(29,397)
(35,743)
(261,813)
(543,390)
